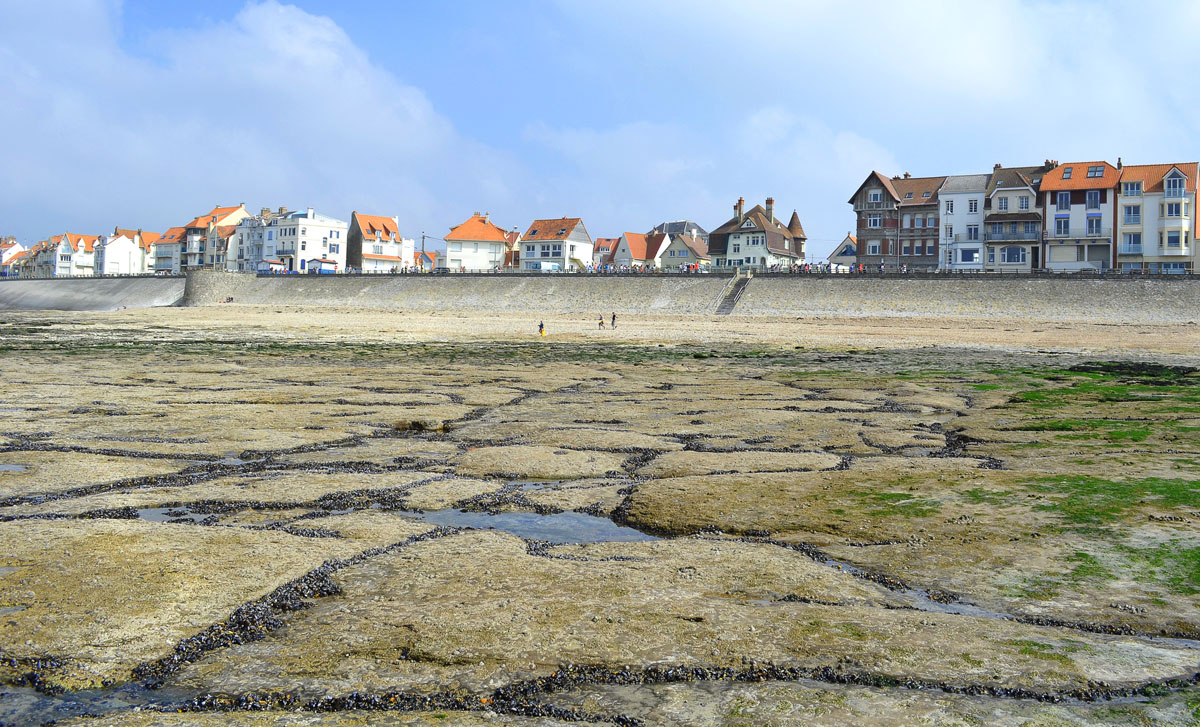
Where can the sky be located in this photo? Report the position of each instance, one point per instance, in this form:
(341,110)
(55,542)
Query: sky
(626,113)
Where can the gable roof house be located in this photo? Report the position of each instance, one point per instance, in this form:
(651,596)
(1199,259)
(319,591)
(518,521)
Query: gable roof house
(374,245)
(683,227)
(757,238)
(480,244)
(125,252)
(846,252)
(556,244)
(880,204)
(1013,223)
(602,250)
(683,251)
(636,250)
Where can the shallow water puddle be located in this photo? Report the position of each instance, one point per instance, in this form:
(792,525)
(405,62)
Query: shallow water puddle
(13,467)
(170,515)
(563,527)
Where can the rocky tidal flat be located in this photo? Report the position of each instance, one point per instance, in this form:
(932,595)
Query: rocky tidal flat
(244,524)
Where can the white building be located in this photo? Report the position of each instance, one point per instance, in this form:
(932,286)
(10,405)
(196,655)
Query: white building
(962,198)
(757,238)
(479,244)
(197,252)
(168,251)
(374,245)
(1080,206)
(556,244)
(1156,218)
(126,252)
(304,235)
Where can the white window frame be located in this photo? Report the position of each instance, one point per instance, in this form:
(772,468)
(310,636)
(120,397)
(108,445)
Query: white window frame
(949,206)
(972,206)
(1002,204)
(1023,202)
(874,221)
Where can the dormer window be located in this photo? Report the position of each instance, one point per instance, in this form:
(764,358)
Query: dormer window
(1131,189)
(562,232)
(1096,172)
(1067,172)
(1174,185)
(926,195)
(747,224)
(908,196)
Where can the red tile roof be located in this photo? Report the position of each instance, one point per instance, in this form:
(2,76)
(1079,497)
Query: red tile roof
(697,246)
(556,229)
(429,257)
(175,234)
(370,224)
(88,242)
(644,247)
(1151,175)
(478,228)
(1054,180)
(219,212)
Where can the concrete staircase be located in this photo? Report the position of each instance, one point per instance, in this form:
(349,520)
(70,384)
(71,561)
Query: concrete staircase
(732,295)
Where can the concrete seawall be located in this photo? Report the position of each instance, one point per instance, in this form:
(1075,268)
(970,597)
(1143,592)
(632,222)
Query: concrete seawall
(1107,300)
(683,295)
(90,293)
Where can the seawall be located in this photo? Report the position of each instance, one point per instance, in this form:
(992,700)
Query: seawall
(675,294)
(90,293)
(985,297)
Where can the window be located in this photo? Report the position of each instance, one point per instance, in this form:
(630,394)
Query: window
(1093,199)
(920,221)
(303,245)
(1093,226)
(1063,201)
(874,221)
(875,196)
(1173,186)
(1131,242)
(925,196)
(303,230)
(972,232)
(972,206)
(1012,254)
(1023,202)
(873,247)
(64,258)
(683,253)
(1173,238)
(270,234)
(335,247)
(1133,214)
(969,255)
(949,232)
(1062,226)
(545,251)
(1173,209)
(377,249)
(991,255)
(919,249)
(908,196)
(997,229)
(1067,172)
(1131,189)
(1002,204)
(737,247)
(907,248)
(949,206)
(931,222)
(1095,172)
(1031,228)
(908,221)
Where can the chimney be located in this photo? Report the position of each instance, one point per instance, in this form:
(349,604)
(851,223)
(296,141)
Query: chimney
(265,211)
(310,214)
(996,167)
(770,209)
(1118,162)
(907,175)
(737,208)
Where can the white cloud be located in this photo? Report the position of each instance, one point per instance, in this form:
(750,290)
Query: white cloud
(276,106)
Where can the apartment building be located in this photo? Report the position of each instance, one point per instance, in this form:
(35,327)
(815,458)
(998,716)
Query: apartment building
(898,221)
(1079,199)
(374,245)
(195,251)
(1156,218)
(1013,221)
(479,244)
(963,201)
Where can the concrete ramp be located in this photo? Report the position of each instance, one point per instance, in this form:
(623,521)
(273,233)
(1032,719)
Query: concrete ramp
(90,293)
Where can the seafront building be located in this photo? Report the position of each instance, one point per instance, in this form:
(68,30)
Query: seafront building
(898,221)
(603,249)
(1080,204)
(1156,218)
(757,238)
(637,250)
(556,244)
(1014,221)
(962,198)
(480,244)
(126,252)
(686,252)
(197,252)
(374,245)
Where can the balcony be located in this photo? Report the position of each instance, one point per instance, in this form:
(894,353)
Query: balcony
(1124,249)
(1009,236)
(886,204)
(1080,234)
(1174,194)
(1177,250)
(962,237)
(286,251)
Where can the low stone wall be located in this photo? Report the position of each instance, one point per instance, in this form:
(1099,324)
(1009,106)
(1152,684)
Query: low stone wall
(90,293)
(1106,300)
(678,294)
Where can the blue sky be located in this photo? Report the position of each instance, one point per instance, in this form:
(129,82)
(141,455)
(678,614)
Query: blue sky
(626,113)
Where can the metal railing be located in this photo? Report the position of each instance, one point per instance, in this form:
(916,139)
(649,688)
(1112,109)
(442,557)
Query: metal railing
(883,205)
(1078,234)
(1129,249)
(1009,235)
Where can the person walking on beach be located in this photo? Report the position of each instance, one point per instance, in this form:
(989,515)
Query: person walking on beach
(614,321)
(541,328)
(602,322)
